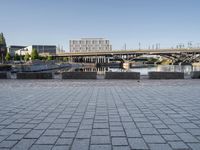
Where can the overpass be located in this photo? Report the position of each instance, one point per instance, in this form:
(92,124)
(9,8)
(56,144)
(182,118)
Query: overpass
(127,52)
(103,57)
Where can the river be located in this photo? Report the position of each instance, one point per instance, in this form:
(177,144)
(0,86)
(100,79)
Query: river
(187,69)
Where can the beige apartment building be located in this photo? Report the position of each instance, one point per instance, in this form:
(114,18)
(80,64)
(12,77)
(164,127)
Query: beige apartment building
(90,45)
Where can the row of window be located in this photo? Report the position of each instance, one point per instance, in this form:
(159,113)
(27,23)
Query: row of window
(90,42)
(75,50)
(106,47)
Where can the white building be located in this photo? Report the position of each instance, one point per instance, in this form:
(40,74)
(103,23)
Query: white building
(41,49)
(90,45)
(13,48)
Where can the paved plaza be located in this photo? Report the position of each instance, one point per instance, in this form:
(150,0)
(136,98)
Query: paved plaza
(99,114)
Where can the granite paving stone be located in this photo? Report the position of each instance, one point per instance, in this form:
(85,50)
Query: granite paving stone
(179,145)
(186,137)
(82,144)
(153,139)
(100,140)
(137,143)
(34,134)
(194,146)
(41,147)
(53,132)
(24,144)
(64,141)
(119,141)
(44,140)
(15,137)
(100,114)
(58,147)
(160,147)
(7,144)
(100,147)
(121,148)
(100,132)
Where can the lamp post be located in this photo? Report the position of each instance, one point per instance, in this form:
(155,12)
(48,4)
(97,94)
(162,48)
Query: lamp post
(139,45)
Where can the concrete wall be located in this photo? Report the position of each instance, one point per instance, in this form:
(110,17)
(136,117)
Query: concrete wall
(79,75)
(122,75)
(195,75)
(4,75)
(166,75)
(34,75)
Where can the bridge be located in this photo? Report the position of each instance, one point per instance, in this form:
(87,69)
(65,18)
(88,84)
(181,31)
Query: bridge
(103,57)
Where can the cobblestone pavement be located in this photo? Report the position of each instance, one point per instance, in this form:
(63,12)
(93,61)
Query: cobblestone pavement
(99,114)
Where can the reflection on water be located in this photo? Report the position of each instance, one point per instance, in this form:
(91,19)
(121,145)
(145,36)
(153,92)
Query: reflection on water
(187,69)
(143,71)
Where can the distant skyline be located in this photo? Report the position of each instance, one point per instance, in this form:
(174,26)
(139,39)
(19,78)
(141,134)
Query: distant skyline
(130,22)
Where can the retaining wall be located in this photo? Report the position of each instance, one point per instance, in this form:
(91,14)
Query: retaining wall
(195,75)
(4,75)
(79,75)
(166,75)
(35,75)
(122,75)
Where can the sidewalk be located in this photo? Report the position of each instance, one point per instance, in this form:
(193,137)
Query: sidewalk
(99,114)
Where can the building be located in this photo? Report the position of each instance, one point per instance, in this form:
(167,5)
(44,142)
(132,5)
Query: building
(41,49)
(90,45)
(12,48)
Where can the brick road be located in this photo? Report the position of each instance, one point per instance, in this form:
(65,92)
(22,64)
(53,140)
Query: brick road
(99,114)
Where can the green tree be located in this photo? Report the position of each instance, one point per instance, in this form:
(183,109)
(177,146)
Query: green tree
(2,40)
(8,57)
(3,49)
(50,58)
(26,57)
(65,59)
(16,57)
(34,54)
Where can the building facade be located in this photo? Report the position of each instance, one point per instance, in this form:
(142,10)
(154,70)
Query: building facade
(13,48)
(90,45)
(41,49)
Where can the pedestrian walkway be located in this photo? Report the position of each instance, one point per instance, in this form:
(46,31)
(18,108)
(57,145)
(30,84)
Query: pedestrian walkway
(99,114)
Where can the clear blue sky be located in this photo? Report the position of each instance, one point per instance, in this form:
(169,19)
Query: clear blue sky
(168,22)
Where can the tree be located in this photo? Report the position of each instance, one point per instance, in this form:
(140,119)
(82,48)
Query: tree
(8,57)
(3,48)
(26,57)
(34,54)
(2,40)
(16,57)
(65,59)
(50,58)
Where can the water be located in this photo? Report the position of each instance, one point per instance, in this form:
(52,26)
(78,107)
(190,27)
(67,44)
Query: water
(187,69)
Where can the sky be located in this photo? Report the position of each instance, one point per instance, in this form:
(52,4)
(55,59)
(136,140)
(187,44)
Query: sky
(123,22)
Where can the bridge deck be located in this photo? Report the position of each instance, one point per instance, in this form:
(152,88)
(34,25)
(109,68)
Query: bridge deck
(158,51)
